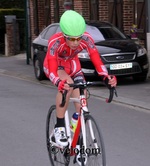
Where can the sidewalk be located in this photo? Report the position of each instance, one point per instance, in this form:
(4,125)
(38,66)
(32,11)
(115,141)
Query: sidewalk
(16,66)
(129,94)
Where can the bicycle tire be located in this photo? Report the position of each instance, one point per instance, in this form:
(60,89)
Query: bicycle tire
(95,156)
(56,155)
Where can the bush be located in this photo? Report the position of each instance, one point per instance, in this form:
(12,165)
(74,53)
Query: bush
(7,4)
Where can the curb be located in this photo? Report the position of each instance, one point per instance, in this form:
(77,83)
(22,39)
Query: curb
(134,104)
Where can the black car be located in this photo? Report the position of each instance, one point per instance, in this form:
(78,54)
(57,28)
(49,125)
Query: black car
(121,55)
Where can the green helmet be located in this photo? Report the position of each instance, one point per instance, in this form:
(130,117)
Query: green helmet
(72,23)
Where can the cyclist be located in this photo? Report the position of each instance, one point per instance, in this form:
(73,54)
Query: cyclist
(62,65)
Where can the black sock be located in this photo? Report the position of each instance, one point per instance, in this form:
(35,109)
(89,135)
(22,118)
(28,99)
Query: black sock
(60,122)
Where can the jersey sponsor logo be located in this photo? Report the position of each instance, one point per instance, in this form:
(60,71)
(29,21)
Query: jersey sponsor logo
(104,68)
(54,47)
(88,41)
(52,77)
(76,52)
(46,70)
(78,78)
(66,56)
(64,53)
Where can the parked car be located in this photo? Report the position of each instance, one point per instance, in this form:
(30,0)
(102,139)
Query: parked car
(121,55)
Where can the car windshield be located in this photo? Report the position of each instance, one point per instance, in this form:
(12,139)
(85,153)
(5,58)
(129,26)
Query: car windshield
(104,33)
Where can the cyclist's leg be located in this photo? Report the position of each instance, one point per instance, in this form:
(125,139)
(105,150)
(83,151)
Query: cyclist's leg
(71,71)
(59,130)
(60,111)
(77,78)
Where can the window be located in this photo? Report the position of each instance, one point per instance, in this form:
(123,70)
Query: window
(104,33)
(49,32)
(111,33)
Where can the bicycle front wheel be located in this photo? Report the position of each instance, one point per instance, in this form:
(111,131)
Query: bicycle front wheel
(95,149)
(57,156)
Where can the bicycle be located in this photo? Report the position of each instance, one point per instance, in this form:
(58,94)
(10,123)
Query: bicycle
(87,133)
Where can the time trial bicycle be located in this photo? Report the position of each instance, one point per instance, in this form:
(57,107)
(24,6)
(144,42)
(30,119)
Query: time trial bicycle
(87,133)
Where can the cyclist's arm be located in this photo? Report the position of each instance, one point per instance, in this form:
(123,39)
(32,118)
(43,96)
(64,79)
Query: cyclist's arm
(101,69)
(50,63)
(99,66)
(95,57)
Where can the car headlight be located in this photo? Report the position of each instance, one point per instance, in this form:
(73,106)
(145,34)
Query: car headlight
(141,52)
(83,55)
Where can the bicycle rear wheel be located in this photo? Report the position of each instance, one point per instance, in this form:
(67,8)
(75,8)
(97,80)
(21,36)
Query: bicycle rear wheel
(95,149)
(57,156)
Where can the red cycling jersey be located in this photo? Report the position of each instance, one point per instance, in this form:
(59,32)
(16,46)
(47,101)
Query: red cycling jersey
(59,54)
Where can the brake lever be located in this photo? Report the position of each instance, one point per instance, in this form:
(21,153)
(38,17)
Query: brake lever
(112,92)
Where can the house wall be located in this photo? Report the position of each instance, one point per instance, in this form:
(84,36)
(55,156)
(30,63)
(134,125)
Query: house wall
(103,10)
(81,6)
(128,17)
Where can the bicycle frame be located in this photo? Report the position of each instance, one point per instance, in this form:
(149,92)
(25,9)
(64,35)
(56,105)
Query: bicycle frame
(80,125)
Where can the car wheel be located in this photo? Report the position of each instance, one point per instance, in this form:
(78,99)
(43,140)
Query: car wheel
(38,68)
(140,78)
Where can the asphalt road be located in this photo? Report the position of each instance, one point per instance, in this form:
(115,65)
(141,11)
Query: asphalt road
(23,110)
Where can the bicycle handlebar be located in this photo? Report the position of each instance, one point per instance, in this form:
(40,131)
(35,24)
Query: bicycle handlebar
(81,85)
(112,91)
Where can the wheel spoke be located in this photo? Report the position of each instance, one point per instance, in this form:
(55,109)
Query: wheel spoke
(95,145)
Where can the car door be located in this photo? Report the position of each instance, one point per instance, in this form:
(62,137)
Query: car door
(49,31)
(40,49)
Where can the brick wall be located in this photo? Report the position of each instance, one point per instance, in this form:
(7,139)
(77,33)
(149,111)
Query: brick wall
(41,23)
(82,6)
(41,14)
(127,15)
(31,20)
(52,11)
(78,7)
(12,39)
(85,9)
(10,42)
(103,10)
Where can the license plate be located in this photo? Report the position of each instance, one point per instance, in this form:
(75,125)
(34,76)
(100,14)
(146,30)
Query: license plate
(120,66)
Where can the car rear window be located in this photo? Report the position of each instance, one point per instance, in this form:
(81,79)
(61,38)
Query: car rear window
(104,33)
(111,33)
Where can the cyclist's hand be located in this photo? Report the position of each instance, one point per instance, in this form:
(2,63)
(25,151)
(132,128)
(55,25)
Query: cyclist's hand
(110,81)
(62,85)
